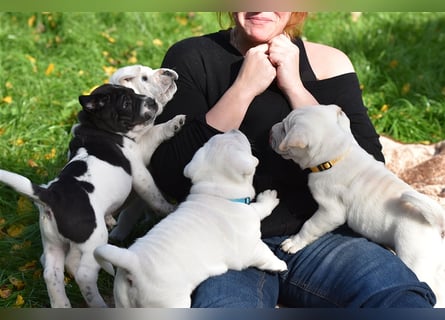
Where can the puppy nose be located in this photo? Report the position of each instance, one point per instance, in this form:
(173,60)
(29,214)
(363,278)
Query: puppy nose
(148,115)
(151,107)
(149,102)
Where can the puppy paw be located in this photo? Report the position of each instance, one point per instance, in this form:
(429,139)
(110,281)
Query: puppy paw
(268,196)
(166,209)
(291,245)
(175,124)
(110,221)
(280,266)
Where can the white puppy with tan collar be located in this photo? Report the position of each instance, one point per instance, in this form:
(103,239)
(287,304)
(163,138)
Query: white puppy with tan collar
(215,229)
(351,187)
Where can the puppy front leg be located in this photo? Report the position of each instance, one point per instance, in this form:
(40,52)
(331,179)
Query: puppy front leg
(158,134)
(266,201)
(323,221)
(265,259)
(145,186)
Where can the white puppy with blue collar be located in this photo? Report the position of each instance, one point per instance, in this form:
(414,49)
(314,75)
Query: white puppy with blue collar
(215,229)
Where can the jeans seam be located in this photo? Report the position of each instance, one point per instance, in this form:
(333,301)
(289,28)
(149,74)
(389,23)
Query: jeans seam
(260,289)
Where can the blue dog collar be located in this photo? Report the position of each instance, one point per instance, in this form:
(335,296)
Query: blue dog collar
(242,200)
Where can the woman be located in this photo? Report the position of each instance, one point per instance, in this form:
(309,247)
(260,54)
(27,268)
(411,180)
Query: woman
(250,77)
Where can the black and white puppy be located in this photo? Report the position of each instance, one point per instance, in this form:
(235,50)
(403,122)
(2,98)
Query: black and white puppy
(112,144)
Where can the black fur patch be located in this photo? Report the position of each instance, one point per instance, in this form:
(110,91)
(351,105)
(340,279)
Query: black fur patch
(68,199)
(105,146)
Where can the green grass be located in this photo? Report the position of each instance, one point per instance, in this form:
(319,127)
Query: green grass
(48,59)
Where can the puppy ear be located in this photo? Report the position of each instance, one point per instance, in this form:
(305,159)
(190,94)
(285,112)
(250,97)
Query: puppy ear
(343,120)
(244,165)
(191,169)
(293,139)
(93,102)
(108,255)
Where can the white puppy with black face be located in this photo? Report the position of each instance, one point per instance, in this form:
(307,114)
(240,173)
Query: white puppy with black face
(215,229)
(351,187)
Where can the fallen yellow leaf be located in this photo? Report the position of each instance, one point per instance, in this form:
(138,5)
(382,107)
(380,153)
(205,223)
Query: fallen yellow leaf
(5,292)
(32,163)
(109,70)
(17,283)
(20,246)
(182,20)
(49,69)
(24,205)
(19,301)
(31,58)
(31,21)
(133,60)
(393,64)
(406,88)
(157,42)
(7,99)
(19,142)
(29,265)
(15,230)
(51,155)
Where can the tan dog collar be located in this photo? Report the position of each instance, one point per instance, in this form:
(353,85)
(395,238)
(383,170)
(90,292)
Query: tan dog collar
(328,164)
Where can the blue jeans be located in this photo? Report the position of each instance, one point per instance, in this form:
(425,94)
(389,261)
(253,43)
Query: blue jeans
(341,269)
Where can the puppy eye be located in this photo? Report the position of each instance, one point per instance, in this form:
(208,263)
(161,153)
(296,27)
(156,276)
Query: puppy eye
(144,78)
(126,104)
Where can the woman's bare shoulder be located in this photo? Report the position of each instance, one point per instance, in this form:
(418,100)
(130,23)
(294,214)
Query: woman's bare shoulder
(326,61)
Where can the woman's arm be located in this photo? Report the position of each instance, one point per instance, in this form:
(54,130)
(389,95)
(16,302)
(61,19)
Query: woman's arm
(255,75)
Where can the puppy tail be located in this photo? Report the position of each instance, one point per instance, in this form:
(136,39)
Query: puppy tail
(20,184)
(432,211)
(102,256)
(109,255)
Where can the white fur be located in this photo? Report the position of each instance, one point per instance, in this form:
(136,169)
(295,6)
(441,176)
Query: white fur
(360,191)
(144,80)
(207,235)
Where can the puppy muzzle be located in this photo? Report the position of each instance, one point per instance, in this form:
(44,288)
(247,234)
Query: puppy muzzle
(149,108)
